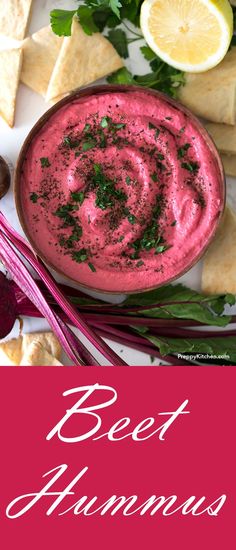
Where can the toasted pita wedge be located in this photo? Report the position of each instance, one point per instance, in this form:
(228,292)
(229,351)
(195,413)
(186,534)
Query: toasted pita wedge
(37,356)
(10,67)
(47,339)
(40,54)
(212,95)
(229,163)
(12,351)
(82,60)
(14,17)
(219,264)
(224,137)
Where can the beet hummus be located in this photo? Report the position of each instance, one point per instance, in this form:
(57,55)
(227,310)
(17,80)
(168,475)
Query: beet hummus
(120,190)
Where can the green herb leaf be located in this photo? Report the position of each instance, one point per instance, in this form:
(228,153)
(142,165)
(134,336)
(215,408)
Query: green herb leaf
(86,20)
(78,196)
(152,126)
(122,76)
(45,162)
(148,54)
(80,255)
(154,177)
(163,77)
(118,125)
(161,248)
(88,145)
(34,197)
(118,39)
(70,142)
(190,166)
(182,150)
(86,128)
(61,21)
(115,5)
(63,212)
(92,267)
(132,219)
(105,121)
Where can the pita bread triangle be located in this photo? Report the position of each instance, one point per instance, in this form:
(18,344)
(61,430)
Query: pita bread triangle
(212,95)
(40,54)
(14,17)
(37,355)
(13,350)
(219,263)
(10,67)
(229,163)
(82,60)
(224,137)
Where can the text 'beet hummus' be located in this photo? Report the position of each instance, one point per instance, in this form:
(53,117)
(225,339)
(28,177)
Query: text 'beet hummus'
(120,191)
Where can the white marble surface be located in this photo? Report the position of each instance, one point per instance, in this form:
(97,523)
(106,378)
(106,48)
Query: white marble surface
(30,106)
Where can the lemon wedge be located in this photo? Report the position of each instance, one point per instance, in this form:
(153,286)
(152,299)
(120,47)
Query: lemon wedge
(190,35)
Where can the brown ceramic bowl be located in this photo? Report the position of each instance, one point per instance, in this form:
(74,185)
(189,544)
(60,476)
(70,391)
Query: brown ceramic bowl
(101,90)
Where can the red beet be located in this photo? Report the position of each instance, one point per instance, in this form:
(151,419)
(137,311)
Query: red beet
(8,306)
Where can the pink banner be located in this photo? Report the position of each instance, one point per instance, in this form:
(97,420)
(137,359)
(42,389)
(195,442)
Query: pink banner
(117,458)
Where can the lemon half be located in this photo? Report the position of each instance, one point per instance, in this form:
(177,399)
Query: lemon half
(190,35)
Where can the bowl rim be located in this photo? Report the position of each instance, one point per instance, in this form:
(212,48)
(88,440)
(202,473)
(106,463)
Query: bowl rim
(101,89)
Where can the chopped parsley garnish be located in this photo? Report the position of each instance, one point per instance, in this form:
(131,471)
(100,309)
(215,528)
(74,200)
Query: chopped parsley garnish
(119,40)
(154,177)
(161,249)
(45,162)
(190,166)
(80,255)
(105,121)
(152,126)
(132,219)
(63,212)
(88,145)
(173,223)
(128,180)
(121,238)
(34,197)
(118,125)
(103,140)
(75,236)
(78,196)
(160,156)
(92,267)
(152,238)
(106,192)
(182,150)
(139,263)
(87,128)
(71,143)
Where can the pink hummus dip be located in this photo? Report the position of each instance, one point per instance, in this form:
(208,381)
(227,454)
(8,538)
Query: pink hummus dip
(120,191)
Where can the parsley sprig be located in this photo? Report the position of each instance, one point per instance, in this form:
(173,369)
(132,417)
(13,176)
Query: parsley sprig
(95,15)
